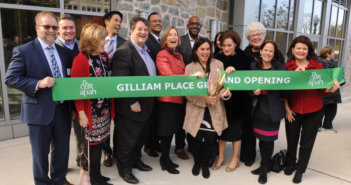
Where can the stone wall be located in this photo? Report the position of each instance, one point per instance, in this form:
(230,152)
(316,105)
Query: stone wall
(347,72)
(175,13)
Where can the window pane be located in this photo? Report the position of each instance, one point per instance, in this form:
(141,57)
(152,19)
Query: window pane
(48,3)
(20,28)
(337,50)
(257,11)
(333,17)
(317,18)
(306,24)
(339,28)
(268,13)
(88,5)
(331,42)
(82,20)
(291,37)
(282,14)
(291,16)
(281,39)
(269,35)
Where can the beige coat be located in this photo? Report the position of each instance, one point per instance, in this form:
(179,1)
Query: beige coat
(195,106)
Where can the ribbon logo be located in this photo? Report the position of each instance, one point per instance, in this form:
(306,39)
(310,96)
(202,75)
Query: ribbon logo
(86,89)
(315,79)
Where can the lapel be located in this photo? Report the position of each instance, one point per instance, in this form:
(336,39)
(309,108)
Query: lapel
(188,45)
(41,56)
(154,41)
(63,61)
(137,58)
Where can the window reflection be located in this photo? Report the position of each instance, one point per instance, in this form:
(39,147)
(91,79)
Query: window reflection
(269,35)
(291,15)
(317,17)
(339,28)
(82,20)
(88,5)
(333,17)
(306,22)
(257,11)
(268,13)
(281,39)
(282,14)
(49,3)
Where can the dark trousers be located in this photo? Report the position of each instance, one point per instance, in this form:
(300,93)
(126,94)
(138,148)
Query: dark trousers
(329,115)
(266,151)
(53,137)
(107,145)
(248,142)
(130,139)
(307,126)
(152,141)
(180,137)
(95,161)
(203,146)
(165,146)
(82,153)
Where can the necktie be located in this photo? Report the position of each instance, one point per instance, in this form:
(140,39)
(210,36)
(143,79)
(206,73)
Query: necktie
(109,49)
(55,69)
(159,40)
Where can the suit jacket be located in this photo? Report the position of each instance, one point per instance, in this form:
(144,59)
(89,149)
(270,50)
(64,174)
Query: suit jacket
(127,62)
(28,65)
(275,100)
(120,41)
(154,46)
(185,49)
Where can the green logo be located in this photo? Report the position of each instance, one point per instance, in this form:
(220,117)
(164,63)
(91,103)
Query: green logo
(86,88)
(315,79)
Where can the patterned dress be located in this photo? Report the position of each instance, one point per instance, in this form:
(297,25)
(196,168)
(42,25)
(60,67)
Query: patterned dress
(100,107)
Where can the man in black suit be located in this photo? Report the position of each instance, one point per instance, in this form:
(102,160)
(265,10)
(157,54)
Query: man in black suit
(133,114)
(154,46)
(112,21)
(33,69)
(186,44)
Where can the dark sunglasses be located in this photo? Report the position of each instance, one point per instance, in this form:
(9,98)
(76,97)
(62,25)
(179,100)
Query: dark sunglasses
(47,27)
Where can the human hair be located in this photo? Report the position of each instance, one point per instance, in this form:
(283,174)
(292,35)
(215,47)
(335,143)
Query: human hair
(91,35)
(67,17)
(255,26)
(216,47)
(231,34)
(304,40)
(108,15)
(42,14)
(135,20)
(165,35)
(151,14)
(196,46)
(326,50)
(275,59)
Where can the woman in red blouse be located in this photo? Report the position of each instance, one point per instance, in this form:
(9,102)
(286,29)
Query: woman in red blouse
(303,108)
(171,109)
(94,114)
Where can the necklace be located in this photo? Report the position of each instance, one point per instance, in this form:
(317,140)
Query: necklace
(91,65)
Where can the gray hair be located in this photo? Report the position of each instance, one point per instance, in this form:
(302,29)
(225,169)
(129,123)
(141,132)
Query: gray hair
(255,26)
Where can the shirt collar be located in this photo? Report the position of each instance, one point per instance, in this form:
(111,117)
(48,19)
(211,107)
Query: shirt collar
(190,38)
(156,37)
(138,47)
(65,42)
(44,45)
(114,38)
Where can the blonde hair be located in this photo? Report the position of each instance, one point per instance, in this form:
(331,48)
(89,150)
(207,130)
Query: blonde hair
(165,35)
(90,37)
(42,14)
(326,50)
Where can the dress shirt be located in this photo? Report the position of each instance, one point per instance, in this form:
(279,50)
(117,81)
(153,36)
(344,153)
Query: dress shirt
(150,64)
(47,55)
(156,37)
(67,44)
(192,41)
(114,38)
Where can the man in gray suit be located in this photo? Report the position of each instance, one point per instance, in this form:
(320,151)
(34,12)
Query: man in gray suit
(186,44)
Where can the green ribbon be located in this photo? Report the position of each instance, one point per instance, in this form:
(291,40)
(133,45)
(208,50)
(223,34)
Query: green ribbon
(154,86)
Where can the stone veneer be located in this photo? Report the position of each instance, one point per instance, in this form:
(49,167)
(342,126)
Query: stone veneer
(175,13)
(347,72)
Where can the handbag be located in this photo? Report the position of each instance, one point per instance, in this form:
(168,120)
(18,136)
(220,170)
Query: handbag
(278,161)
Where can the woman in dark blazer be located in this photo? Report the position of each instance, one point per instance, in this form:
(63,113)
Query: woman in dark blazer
(268,109)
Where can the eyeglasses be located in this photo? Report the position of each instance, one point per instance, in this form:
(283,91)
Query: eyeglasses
(256,35)
(47,27)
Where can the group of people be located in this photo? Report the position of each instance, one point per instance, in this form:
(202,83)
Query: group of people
(205,122)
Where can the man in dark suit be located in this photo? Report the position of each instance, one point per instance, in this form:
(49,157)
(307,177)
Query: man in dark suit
(186,44)
(112,21)
(154,46)
(33,69)
(133,114)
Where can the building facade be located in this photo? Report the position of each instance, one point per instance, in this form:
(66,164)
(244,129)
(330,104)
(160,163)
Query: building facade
(325,22)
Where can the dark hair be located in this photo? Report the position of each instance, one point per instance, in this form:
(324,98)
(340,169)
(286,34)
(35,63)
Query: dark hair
(196,46)
(135,20)
(304,40)
(108,15)
(275,59)
(67,17)
(216,47)
(231,34)
(151,14)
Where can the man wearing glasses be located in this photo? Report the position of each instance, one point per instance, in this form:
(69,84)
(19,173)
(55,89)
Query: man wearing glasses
(33,69)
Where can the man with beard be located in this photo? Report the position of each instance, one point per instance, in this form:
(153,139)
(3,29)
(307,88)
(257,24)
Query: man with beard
(112,21)
(186,44)
(33,69)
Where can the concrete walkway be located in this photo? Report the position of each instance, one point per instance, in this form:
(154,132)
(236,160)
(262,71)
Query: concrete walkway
(330,163)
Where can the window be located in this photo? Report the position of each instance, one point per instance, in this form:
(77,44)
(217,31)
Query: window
(50,3)
(312,17)
(84,5)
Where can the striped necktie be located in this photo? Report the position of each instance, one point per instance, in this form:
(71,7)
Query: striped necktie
(55,68)
(110,50)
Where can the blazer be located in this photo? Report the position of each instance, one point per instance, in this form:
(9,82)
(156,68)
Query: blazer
(127,62)
(153,46)
(185,49)
(168,65)
(275,100)
(195,106)
(28,65)
(120,41)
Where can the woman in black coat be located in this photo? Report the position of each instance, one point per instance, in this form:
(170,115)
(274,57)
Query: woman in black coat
(268,110)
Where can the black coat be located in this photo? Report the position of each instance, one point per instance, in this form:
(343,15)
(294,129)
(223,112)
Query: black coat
(253,56)
(336,96)
(153,46)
